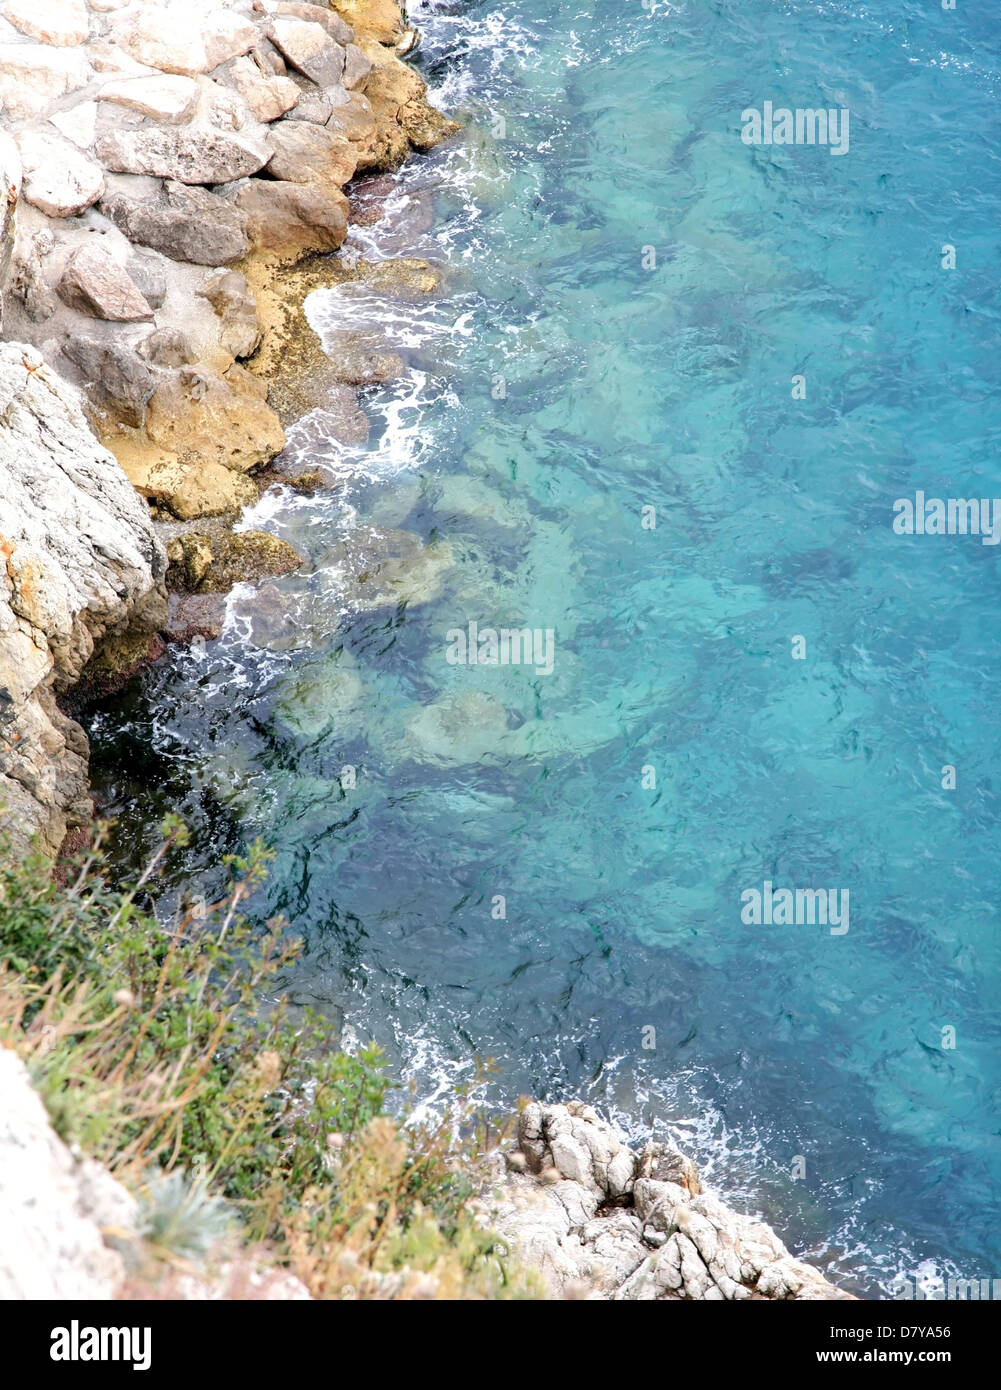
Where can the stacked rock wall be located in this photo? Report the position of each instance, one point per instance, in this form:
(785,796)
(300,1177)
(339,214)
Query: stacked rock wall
(161,168)
(167,150)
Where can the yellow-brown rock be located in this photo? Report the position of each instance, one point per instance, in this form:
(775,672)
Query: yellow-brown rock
(403,118)
(209,489)
(372,19)
(200,418)
(292,219)
(187,490)
(247,557)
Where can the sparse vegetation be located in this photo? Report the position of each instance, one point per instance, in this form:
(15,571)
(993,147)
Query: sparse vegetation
(160,1049)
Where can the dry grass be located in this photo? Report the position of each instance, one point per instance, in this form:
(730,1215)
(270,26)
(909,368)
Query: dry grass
(240,1128)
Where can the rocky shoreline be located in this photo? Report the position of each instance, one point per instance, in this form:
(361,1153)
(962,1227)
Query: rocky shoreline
(172,187)
(587,1216)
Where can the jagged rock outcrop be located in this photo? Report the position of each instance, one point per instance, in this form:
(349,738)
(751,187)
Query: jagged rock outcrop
(598,1220)
(80,571)
(147,151)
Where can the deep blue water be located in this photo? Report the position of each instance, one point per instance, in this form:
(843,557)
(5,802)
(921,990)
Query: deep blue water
(595,132)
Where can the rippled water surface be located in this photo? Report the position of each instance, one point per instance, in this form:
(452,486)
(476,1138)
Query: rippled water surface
(564,380)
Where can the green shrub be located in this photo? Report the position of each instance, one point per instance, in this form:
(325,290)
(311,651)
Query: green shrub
(151,1046)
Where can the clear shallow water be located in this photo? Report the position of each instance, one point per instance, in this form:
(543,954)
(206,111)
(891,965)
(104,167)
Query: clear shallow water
(628,387)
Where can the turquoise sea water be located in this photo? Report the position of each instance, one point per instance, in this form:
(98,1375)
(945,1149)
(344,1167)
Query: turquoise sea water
(596,134)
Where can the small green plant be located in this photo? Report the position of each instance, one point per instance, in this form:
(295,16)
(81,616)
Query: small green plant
(179,1217)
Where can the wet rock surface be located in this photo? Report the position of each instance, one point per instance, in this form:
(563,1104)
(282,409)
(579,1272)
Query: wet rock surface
(212,560)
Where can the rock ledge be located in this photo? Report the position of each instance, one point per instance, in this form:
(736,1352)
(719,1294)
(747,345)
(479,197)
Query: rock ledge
(598,1220)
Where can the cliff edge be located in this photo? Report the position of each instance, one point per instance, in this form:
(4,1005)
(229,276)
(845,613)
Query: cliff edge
(81,572)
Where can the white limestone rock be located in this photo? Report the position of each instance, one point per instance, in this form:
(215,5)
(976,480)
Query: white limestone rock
(33,76)
(181,36)
(61,23)
(58,179)
(106,57)
(599,1221)
(10,192)
(82,563)
(52,1208)
(170,99)
(78,124)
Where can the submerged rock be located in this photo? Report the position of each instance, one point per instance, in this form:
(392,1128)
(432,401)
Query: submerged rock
(358,360)
(383,568)
(406,277)
(322,696)
(193,616)
(246,557)
(466,729)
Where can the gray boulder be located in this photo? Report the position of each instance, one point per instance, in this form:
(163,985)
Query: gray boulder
(95,283)
(113,376)
(184,223)
(189,155)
